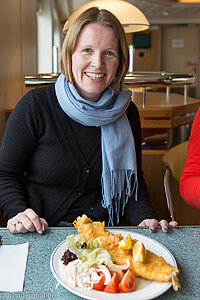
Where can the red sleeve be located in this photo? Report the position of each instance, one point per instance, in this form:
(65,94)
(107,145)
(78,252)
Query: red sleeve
(190,178)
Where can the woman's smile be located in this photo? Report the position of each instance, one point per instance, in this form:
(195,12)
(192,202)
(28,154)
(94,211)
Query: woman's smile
(94,75)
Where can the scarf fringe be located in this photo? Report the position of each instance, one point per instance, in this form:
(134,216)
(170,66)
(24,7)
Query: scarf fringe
(121,189)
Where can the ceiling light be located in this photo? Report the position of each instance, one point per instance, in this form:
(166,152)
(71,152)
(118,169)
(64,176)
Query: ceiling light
(132,19)
(188,1)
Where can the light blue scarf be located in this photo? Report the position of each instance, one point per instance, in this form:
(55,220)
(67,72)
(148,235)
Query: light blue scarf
(117,142)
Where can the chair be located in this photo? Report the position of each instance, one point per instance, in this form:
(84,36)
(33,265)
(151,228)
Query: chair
(174,160)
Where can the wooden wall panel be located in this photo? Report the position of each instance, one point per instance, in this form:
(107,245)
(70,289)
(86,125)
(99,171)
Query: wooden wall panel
(180,51)
(29,38)
(10,58)
(153,169)
(147,59)
(18,52)
(18,42)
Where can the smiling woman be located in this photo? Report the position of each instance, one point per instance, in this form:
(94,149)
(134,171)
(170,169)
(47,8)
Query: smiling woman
(79,140)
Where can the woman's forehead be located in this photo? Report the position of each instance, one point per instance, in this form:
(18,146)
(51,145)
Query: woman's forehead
(97,32)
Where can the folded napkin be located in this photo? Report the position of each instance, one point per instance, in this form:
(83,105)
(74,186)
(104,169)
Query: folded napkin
(12,267)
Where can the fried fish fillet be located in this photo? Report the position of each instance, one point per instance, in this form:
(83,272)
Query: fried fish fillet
(153,268)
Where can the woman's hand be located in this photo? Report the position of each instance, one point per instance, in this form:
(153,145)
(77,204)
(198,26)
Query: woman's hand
(26,221)
(153,223)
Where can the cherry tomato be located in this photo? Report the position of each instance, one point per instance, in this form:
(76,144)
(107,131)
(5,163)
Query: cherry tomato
(128,282)
(113,285)
(99,286)
(120,274)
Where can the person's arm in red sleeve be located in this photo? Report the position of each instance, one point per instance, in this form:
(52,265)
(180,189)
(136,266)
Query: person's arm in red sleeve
(190,177)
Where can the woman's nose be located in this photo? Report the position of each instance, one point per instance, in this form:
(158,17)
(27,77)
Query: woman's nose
(97,61)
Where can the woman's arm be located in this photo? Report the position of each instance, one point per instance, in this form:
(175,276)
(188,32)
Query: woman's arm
(19,142)
(190,178)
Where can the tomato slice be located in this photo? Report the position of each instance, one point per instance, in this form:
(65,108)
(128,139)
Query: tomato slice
(120,274)
(113,285)
(128,282)
(99,286)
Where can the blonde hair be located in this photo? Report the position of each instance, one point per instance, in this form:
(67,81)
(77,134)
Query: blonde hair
(105,18)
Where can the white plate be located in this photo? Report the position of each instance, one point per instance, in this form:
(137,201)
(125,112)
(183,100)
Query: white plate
(145,289)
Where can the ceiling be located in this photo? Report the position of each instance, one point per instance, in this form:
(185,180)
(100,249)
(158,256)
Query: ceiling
(157,11)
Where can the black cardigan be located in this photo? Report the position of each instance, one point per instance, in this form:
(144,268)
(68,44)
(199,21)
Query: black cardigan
(62,162)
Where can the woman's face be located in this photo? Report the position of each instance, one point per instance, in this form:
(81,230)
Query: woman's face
(95,60)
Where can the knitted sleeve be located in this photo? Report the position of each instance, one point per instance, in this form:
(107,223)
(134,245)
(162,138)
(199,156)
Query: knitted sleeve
(141,209)
(16,149)
(190,178)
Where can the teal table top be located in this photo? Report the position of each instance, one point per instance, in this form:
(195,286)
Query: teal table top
(39,283)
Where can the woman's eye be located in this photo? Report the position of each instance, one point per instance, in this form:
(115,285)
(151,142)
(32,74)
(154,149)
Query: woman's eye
(87,50)
(110,53)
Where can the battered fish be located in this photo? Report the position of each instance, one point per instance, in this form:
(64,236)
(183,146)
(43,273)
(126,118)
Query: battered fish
(153,268)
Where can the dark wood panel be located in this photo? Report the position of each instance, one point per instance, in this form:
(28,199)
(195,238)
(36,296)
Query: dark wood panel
(153,174)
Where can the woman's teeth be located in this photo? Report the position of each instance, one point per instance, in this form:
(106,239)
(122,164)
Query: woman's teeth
(94,76)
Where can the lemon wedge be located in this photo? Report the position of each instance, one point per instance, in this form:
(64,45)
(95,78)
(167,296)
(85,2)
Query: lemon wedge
(126,243)
(139,251)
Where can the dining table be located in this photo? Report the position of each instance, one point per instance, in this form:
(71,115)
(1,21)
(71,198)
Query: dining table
(39,282)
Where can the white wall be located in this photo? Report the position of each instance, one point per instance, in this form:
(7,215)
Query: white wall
(48,37)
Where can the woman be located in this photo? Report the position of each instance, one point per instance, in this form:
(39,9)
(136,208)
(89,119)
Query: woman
(78,141)
(190,177)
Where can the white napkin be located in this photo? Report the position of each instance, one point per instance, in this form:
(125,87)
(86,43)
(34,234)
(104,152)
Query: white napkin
(12,267)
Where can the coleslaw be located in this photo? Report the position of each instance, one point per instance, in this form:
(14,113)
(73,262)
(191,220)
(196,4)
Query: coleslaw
(89,259)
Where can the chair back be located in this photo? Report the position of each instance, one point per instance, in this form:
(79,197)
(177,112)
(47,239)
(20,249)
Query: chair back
(175,158)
